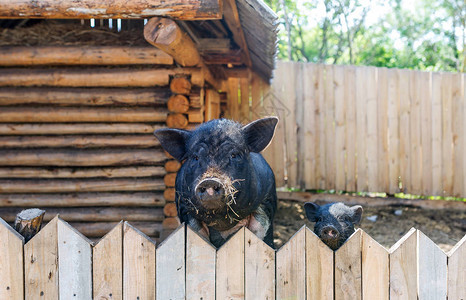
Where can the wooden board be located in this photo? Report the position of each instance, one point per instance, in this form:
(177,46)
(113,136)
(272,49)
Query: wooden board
(320,129)
(259,266)
(77,128)
(447,134)
(99,229)
(437,163)
(371,133)
(41,264)
(245,109)
(233,101)
(230,268)
(11,275)
(405,132)
(361,129)
(348,271)
(457,271)
(340,124)
(107,265)
(171,269)
(382,130)
(432,269)
(415,129)
(319,268)
(425,82)
(291,267)
(200,267)
(403,267)
(458,132)
(299,111)
(138,264)
(74,263)
(393,93)
(309,125)
(375,269)
(329,94)
(350,128)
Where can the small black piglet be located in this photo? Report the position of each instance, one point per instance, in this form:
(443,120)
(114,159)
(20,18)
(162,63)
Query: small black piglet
(334,222)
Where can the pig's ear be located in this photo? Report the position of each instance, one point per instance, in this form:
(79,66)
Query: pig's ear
(357,209)
(173,141)
(311,211)
(259,133)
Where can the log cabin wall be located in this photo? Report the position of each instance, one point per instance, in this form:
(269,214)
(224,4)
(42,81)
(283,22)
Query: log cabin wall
(76,127)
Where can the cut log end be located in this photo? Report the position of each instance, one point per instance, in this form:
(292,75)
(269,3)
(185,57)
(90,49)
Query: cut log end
(28,222)
(180,85)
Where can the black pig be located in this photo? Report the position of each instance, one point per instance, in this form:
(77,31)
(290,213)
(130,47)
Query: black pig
(224,183)
(334,222)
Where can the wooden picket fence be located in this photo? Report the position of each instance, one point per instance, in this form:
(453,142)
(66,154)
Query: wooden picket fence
(60,263)
(361,129)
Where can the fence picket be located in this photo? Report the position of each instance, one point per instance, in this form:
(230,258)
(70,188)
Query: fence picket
(464,132)
(340,123)
(309,125)
(425,82)
(230,268)
(447,135)
(11,262)
(41,264)
(457,271)
(432,269)
(382,131)
(437,186)
(200,267)
(393,130)
(350,99)
(321,156)
(300,124)
(415,154)
(403,267)
(138,265)
(319,268)
(361,129)
(371,119)
(375,269)
(348,268)
(107,265)
(74,263)
(259,268)
(291,270)
(405,133)
(329,94)
(458,133)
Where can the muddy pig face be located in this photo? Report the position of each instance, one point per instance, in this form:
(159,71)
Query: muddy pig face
(215,178)
(334,222)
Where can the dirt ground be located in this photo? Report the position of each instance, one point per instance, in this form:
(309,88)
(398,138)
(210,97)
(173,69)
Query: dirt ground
(445,227)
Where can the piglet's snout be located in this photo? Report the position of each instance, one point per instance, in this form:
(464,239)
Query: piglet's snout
(211,192)
(330,232)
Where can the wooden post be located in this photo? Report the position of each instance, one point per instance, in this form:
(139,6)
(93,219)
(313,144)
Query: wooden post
(28,222)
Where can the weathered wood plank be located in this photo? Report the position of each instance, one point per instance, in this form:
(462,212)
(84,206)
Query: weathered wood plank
(81,114)
(447,134)
(25,172)
(90,55)
(233,101)
(200,267)
(393,94)
(259,264)
(405,132)
(107,265)
(375,269)
(348,271)
(321,154)
(291,267)
(371,133)
(245,110)
(319,268)
(330,159)
(83,199)
(79,128)
(11,275)
(99,229)
(437,163)
(361,129)
(432,269)
(309,125)
(350,128)
(81,158)
(41,264)
(171,269)
(74,263)
(425,82)
(403,267)
(87,9)
(457,271)
(300,127)
(230,268)
(415,153)
(138,264)
(340,124)
(382,130)
(458,132)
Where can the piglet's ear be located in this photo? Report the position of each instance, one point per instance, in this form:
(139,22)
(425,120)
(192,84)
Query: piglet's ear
(311,211)
(357,209)
(173,141)
(259,133)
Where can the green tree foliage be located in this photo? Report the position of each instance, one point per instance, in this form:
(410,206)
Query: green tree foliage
(420,34)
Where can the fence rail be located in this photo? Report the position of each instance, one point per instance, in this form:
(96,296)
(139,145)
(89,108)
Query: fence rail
(60,263)
(361,129)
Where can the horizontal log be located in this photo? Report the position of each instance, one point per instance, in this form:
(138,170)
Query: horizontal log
(78,128)
(79,141)
(176,120)
(180,85)
(83,199)
(84,96)
(90,55)
(98,230)
(81,158)
(19,172)
(93,214)
(121,77)
(79,114)
(172,166)
(122,9)
(178,104)
(80,185)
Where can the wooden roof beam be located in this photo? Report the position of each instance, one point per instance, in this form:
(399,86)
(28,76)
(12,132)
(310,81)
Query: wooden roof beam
(105,9)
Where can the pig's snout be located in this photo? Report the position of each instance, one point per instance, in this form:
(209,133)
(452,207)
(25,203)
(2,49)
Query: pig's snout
(211,192)
(330,233)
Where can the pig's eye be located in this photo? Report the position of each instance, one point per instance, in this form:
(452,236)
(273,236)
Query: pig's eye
(196,157)
(234,155)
